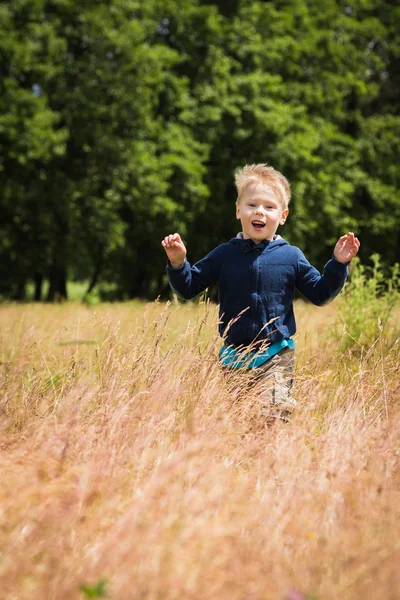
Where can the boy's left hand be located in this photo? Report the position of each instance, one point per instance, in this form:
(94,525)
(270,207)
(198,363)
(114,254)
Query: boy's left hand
(346,248)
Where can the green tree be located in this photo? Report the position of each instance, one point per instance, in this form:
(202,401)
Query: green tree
(296,85)
(103,195)
(122,121)
(31,135)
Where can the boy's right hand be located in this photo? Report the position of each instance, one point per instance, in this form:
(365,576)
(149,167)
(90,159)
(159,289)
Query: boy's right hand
(175,249)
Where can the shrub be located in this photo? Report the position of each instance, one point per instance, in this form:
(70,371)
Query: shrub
(366,305)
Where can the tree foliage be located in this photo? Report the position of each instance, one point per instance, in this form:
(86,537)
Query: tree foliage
(122,121)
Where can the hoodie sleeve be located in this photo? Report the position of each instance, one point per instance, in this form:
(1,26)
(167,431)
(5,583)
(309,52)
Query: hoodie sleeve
(320,289)
(189,281)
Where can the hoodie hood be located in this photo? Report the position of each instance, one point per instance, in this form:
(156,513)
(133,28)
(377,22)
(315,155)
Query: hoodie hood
(249,244)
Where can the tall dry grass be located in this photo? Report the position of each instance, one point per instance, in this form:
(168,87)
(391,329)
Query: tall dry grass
(129,467)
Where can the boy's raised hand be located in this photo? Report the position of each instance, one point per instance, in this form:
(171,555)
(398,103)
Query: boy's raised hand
(175,249)
(346,248)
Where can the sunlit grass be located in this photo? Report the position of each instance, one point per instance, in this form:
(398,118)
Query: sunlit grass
(130,468)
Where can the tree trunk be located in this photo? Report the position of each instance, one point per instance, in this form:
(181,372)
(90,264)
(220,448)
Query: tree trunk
(138,286)
(58,283)
(20,291)
(58,269)
(38,280)
(96,274)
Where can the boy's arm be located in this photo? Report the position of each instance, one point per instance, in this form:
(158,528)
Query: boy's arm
(185,280)
(321,289)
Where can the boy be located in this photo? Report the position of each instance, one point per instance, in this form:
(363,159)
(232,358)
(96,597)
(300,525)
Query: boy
(257,272)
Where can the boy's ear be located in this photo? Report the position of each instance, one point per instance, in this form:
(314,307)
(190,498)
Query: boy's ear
(237,210)
(284,216)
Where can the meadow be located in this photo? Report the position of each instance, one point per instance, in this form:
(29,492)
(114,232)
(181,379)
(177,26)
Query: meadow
(133,468)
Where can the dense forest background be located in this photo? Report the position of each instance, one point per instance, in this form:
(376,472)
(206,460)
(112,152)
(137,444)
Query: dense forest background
(122,121)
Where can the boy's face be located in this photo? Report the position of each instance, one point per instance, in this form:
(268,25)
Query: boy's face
(260,212)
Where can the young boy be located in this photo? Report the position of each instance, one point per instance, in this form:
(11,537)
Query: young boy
(257,272)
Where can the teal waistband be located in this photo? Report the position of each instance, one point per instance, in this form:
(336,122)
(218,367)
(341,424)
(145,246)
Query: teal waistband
(238,359)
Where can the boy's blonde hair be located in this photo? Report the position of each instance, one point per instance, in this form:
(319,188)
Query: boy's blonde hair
(263,173)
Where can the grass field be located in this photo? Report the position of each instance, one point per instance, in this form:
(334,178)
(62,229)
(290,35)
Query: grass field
(129,470)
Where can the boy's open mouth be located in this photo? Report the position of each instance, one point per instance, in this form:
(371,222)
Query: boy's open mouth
(258,224)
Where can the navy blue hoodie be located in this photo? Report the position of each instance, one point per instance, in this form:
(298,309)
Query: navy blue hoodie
(257,285)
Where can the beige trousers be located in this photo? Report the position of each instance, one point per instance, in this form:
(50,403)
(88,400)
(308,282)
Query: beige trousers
(272,384)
